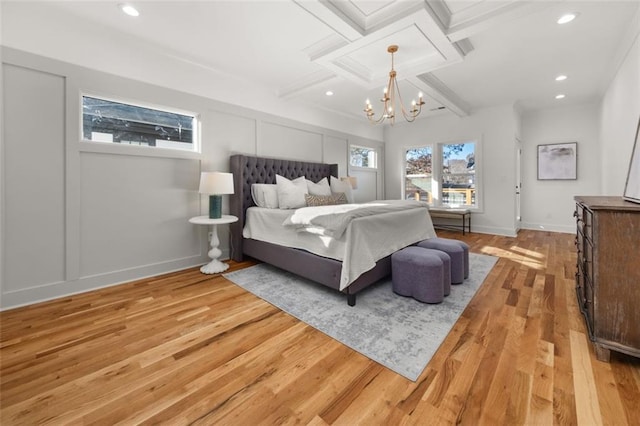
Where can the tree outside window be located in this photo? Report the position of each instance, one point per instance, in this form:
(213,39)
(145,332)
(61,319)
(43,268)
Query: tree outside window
(361,156)
(458,175)
(453,170)
(418,173)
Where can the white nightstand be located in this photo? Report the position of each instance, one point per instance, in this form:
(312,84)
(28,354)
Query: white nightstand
(215,265)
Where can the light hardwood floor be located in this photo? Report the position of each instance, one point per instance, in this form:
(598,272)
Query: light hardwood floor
(187,348)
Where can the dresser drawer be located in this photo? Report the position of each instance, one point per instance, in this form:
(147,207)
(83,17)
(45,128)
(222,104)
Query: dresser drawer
(587,229)
(584,221)
(587,260)
(579,215)
(588,304)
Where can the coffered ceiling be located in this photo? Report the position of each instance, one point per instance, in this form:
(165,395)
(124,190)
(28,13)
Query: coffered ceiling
(462,55)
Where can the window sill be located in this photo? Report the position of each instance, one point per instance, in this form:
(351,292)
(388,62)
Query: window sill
(134,150)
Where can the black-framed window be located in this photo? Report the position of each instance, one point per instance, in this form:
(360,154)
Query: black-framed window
(111,121)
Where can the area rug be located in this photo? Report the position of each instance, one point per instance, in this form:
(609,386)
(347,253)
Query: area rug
(398,332)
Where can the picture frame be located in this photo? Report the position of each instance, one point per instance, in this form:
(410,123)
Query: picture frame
(632,185)
(558,161)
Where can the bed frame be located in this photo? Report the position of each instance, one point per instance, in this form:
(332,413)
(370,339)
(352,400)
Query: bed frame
(248,170)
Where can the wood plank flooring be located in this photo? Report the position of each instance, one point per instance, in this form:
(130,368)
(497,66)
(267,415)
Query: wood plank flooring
(187,348)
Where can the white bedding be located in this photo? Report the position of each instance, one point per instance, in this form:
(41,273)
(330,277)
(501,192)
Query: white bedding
(366,239)
(266,225)
(333,220)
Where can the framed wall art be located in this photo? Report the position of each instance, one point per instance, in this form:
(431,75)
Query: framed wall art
(558,161)
(632,187)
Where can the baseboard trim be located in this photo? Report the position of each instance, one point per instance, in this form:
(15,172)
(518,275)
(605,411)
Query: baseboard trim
(507,232)
(565,229)
(44,293)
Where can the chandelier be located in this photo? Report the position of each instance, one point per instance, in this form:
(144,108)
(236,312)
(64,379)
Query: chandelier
(392,91)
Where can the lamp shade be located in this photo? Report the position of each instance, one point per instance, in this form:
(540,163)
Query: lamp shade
(216,183)
(352,180)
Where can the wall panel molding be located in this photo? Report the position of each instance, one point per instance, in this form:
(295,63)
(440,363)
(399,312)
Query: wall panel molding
(101,199)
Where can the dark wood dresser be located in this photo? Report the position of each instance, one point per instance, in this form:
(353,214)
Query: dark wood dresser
(608,272)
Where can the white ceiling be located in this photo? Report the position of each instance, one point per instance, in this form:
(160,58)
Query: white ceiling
(463,55)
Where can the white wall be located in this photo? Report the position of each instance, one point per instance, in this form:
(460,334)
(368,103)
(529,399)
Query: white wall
(548,204)
(619,115)
(42,29)
(82,215)
(605,133)
(495,129)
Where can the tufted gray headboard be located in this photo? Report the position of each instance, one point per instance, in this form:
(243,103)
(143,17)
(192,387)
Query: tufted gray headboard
(248,170)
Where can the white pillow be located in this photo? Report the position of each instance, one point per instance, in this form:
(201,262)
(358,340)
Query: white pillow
(291,192)
(339,186)
(265,195)
(320,188)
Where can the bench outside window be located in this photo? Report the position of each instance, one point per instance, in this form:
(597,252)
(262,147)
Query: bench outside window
(456,219)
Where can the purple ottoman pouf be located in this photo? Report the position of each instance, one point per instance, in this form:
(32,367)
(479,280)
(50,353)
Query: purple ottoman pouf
(418,273)
(454,250)
(465,249)
(446,268)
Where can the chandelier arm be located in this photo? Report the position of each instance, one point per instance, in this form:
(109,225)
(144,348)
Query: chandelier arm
(408,117)
(416,109)
(404,111)
(371,114)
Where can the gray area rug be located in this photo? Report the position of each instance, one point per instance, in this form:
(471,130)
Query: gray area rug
(397,332)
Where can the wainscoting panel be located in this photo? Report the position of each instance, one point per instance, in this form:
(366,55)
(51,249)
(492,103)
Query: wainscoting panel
(280,141)
(335,152)
(33,164)
(135,211)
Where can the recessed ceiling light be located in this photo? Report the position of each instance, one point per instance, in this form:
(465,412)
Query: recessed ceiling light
(129,10)
(567,18)
(561,77)
(560,96)
(329,93)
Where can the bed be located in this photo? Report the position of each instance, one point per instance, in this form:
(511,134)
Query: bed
(248,170)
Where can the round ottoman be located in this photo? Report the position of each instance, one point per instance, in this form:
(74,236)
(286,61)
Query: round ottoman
(418,273)
(465,250)
(465,258)
(446,268)
(455,252)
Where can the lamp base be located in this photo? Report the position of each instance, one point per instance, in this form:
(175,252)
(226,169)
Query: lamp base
(215,206)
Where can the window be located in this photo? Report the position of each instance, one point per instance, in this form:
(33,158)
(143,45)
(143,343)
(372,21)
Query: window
(418,174)
(116,122)
(361,156)
(442,174)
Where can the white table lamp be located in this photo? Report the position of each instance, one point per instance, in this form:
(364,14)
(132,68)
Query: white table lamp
(352,180)
(216,184)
